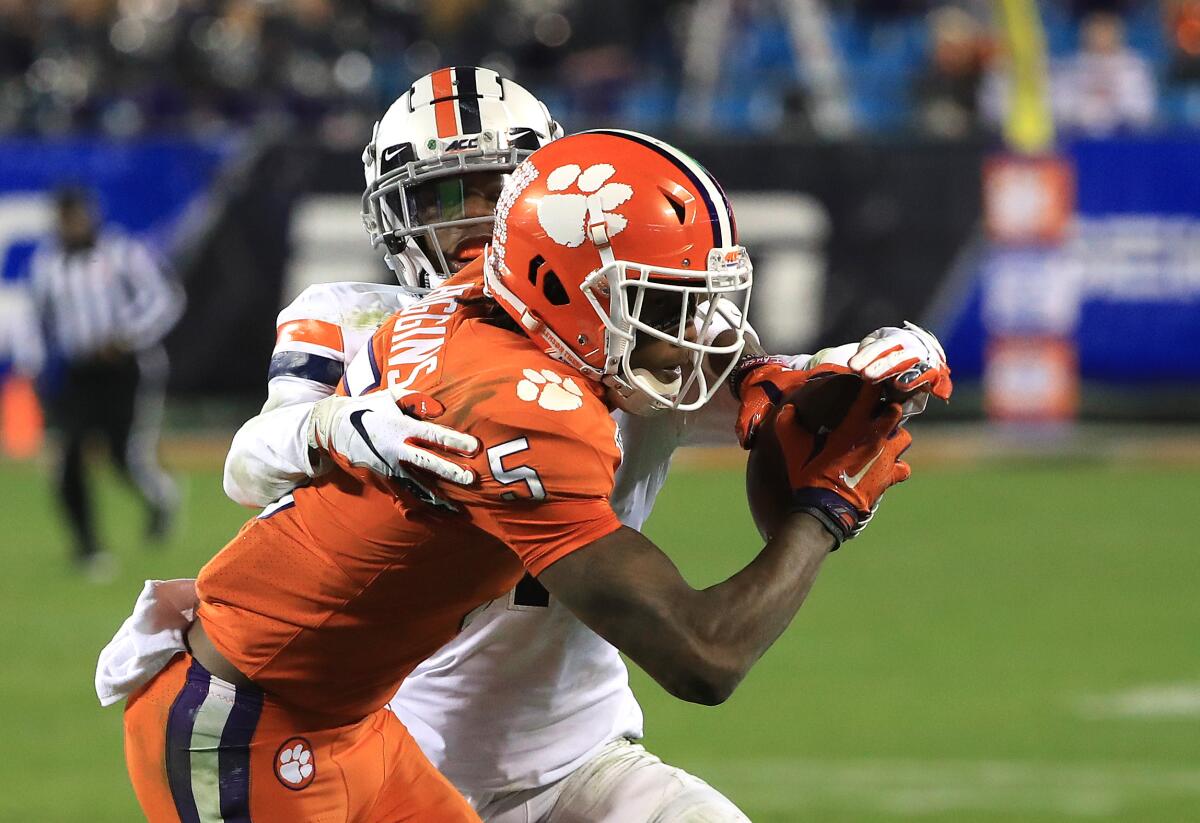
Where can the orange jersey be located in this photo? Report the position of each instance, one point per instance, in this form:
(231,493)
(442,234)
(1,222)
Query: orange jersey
(329,603)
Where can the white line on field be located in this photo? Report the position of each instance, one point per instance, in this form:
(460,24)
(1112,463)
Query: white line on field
(917,787)
(1155,701)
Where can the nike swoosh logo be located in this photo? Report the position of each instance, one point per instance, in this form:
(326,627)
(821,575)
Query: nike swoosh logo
(392,152)
(523,138)
(852,480)
(356,421)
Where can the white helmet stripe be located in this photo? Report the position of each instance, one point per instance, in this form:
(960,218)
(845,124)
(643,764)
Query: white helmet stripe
(719,210)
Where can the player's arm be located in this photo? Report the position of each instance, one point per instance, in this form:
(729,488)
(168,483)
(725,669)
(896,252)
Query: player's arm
(700,644)
(158,300)
(288,443)
(304,422)
(270,455)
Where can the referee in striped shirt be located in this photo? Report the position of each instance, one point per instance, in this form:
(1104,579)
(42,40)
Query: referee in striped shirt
(104,306)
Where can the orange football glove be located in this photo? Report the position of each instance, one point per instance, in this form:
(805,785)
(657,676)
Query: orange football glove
(839,476)
(760,383)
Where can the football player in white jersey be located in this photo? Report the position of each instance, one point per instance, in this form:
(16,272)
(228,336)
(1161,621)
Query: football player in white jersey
(528,712)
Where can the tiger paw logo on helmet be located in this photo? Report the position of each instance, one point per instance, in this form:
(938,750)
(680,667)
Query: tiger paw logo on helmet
(294,763)
(551,392)
(564,216)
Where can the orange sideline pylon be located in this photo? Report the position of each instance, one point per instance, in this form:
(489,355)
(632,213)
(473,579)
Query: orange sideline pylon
(22,427)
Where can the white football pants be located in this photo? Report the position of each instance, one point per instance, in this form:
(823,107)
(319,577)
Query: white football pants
(623,783)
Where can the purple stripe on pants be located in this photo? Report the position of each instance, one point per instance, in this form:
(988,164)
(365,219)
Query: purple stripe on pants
(234,757)
(179,741)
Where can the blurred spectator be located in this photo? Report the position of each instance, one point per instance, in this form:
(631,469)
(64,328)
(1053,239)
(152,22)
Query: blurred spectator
(946,93)
(18,36)
(104,306)
(601,65)
(1183,25)
(1105,86)
(1081,9)
(324,68)
(123,67)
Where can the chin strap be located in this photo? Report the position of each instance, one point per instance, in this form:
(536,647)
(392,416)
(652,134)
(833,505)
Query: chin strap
(648,379)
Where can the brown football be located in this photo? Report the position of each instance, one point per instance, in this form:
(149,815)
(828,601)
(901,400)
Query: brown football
(819,402)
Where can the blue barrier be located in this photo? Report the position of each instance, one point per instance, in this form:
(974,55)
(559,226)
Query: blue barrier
(1134,262)
(143,186)
(146,187)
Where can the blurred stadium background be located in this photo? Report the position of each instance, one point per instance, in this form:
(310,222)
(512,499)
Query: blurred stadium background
(1015,637)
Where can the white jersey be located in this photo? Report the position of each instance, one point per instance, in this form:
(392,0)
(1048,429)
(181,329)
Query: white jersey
(526,693)
(316,337)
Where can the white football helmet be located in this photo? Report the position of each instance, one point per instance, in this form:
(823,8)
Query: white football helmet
(435,166)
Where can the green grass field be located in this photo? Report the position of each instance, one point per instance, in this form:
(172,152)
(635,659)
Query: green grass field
(1016,642)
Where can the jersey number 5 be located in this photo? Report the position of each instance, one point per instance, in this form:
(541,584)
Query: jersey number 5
(516,474)
(529,593)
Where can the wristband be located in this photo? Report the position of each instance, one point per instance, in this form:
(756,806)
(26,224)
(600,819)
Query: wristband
(838,517)
(744,366)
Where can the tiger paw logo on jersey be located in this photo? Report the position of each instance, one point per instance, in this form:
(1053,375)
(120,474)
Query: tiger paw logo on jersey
(564,216)
(551,392)
(294,763)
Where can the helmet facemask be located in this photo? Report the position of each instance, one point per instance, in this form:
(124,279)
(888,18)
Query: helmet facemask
(450,125)
(418,212)
(686,308)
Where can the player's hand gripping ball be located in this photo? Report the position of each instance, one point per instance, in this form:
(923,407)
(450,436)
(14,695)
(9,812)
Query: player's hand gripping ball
(821,402)
(760,384)
(830,447)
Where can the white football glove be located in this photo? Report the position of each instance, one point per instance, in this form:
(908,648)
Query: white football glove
(910,358)
(375,431)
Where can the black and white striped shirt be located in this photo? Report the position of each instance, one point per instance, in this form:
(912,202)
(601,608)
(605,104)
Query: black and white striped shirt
(112,294)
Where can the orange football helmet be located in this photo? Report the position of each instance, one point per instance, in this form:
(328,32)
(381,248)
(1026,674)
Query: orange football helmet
(607,235)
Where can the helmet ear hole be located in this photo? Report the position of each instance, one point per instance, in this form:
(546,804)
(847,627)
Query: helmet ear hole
(679,211)
(534,265)
(552,287)
(679,198)
(554,290)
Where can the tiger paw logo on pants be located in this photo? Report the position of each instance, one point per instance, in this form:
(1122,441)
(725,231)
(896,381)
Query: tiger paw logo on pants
(552,393)
(564,216)
(294,763)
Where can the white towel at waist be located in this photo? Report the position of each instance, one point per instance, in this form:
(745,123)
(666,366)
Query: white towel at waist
(147,640)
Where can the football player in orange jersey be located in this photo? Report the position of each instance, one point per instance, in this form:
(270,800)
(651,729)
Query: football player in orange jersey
(612,254)
(526,711)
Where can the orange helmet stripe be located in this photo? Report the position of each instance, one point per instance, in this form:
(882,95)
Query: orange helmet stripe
(443,103)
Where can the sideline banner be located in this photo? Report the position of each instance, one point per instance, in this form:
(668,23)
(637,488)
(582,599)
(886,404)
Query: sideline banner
(1126,281)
